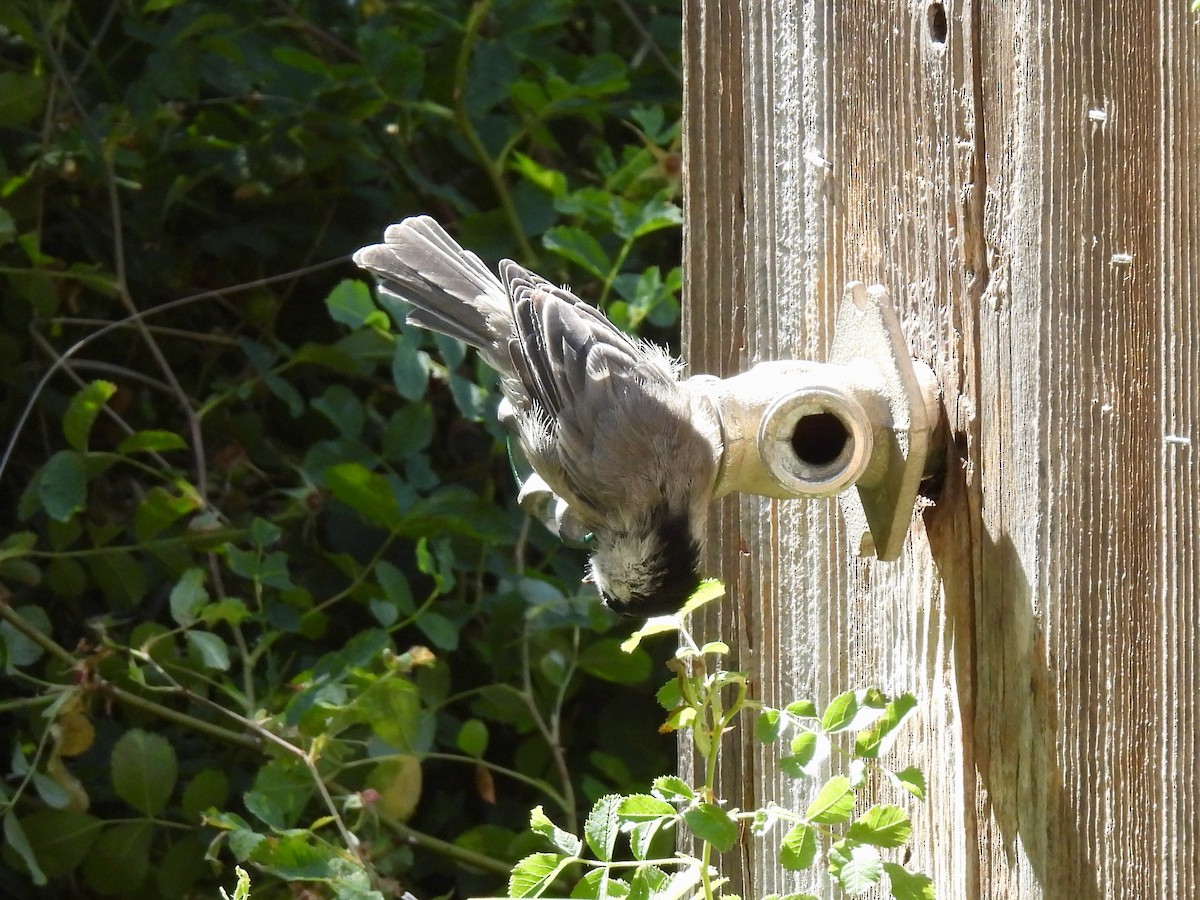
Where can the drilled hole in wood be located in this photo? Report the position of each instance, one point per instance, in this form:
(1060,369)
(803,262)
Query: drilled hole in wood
(819,439)
(938,26)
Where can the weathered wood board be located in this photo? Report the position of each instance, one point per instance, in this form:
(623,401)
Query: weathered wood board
(1024,177)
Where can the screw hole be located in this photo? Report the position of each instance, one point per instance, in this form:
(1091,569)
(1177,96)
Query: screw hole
(818,439)
(938,26)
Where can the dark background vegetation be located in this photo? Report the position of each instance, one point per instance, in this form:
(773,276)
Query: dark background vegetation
(263,580)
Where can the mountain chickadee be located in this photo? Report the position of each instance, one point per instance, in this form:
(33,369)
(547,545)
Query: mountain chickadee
(602,417)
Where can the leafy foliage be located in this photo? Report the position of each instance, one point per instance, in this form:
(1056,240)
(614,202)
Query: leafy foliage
(265,595)
(627,844)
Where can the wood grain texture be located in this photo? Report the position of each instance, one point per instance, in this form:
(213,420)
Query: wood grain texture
(1028,190)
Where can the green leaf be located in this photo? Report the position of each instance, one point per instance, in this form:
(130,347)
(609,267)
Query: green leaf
(21,98)
(644,817)
(60,838)
(708,591)
(209,788)
(650,882)
(120,861)
(392,707)
(673,787)
(602,827)
(471,399)
(533,875)
(8,227)
(437,559)
(144,770)
(853,709)
(550,180)
(713,825)
(409,430)
(341,406)
(473,738)
(62,485)
(856,867)
(600,884)
(280,792)
(882,826)
(442,633)
(606,660)
(159,508)
(564,842)
(910,779)
(368,494)
(643,807)
(635,220)
(409,366)
(15,837)
(150,442)
(833,803)
(580,247)
(350,304)
(188,596)
(809,752)
(20,651)
(120,577)
(768,725)
(399,781)
(906,885)
(82,411)
(801,709)
(877,740)
(211,648)
(799,848)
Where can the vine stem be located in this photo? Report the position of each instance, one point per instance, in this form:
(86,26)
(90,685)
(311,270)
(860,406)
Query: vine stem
(493,167)
(128,698)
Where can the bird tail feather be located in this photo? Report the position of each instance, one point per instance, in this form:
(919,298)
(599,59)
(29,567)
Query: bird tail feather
(452,292)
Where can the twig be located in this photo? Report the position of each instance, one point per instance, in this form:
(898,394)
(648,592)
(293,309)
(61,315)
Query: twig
(70,660)
(493,167)
(129,320)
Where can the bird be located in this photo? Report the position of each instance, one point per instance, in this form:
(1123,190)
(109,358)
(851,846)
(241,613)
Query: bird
(603,417)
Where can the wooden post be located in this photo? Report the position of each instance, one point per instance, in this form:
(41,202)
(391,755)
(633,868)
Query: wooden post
(1024,177)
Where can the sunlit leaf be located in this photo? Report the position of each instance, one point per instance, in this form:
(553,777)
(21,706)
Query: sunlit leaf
(883,826)
(350,303)
(853,709)
(799,848)
(856,867)
(82,411)
(906,885)
(877,739)
(534,874)
(564,842)
(602,826)
(712,824)
(833,803)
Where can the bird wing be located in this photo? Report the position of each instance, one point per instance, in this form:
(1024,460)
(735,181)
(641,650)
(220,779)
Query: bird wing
(580,372)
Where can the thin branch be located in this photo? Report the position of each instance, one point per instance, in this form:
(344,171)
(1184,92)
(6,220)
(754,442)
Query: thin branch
(493,167)
(129,320)
(119,271)
(70,660)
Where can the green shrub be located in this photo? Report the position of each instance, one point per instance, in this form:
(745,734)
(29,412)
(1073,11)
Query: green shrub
(266,595)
